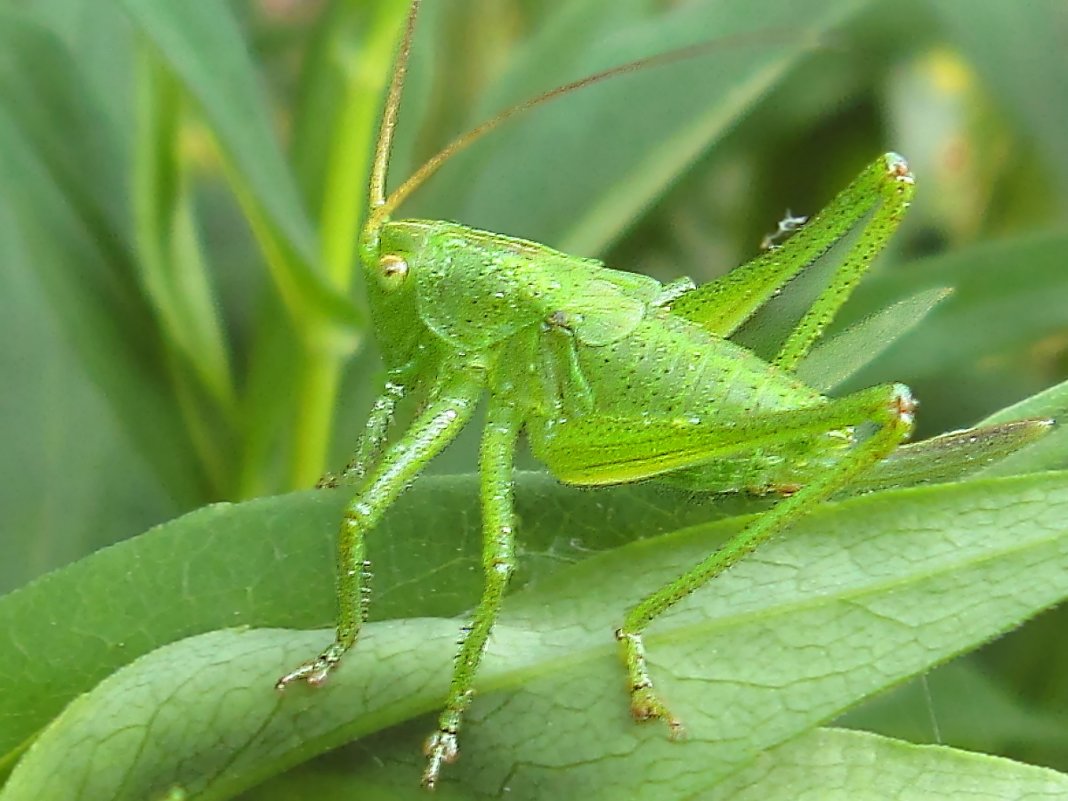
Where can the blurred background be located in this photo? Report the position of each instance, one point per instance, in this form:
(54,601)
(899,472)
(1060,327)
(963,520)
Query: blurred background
(180,189)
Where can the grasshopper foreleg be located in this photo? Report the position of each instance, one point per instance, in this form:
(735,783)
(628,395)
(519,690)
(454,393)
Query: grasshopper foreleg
(373,438)
(890,407)
(438,424)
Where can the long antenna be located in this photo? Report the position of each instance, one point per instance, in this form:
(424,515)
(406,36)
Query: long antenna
(383,207)
(389,116)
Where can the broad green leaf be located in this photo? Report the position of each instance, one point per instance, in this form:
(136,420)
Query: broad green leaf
(862,595)
(270,563)
(828,764)
(837,765)
(587,165)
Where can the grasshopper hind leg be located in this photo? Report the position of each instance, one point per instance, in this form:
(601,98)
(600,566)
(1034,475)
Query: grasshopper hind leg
(890,407)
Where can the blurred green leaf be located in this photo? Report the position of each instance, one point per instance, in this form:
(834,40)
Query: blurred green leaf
(62,190)
(202,44)
(58,427)
(205,49)
(1018,50)
(174,275)
(963,705)
(98,38)
(171,261)
(1052,452)
(811,625)
(1028,666)
(1000,301)
(831,362)
(588,164)
(47,99)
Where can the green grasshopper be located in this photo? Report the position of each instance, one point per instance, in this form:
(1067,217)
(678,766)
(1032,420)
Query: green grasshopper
(613,377)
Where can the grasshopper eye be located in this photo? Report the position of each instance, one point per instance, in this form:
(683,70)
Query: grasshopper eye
(392,271)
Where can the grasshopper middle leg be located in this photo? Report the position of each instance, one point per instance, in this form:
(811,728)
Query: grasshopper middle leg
(498,562)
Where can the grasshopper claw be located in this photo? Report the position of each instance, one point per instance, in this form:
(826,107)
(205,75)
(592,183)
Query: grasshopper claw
(645,705)
(440,749)
(314,671)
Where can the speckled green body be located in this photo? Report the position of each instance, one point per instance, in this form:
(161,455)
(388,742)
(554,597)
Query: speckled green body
(566,339)
(613,377)
(672,370)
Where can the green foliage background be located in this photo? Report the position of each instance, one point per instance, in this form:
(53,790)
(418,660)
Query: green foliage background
(181,323)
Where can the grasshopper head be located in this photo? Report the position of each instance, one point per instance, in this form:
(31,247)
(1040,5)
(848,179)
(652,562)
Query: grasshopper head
(391,254)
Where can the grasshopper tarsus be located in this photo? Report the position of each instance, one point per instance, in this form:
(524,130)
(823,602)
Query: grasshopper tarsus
(315,671)
(328,481)
(646,706)
(440,749)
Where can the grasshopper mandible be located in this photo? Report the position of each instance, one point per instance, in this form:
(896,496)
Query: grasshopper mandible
(612,376)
